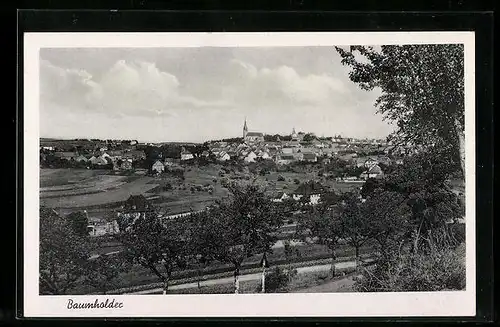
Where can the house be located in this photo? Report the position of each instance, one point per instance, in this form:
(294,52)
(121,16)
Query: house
(81,158)
(264,155)
(298,156)
(284,159)
(169,162)
(281,197)
(135,155)
(250,157)
(98,161)
(223,156)
(310,157)
(205,154)
(373,172)
(66,155)
(186,155)
(310,190)
(287,150)
(158,167)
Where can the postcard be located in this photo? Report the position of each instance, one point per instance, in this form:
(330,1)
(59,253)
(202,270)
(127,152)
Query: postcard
(311,174)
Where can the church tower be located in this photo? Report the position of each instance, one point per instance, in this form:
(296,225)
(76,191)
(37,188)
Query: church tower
(245,129)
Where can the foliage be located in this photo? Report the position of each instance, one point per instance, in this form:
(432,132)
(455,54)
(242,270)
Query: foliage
(78,221)
(422,91)
(355,226)
(324,224)
(63,254)
(440,270)
(103,271)
(278,279)
(159,245)
(241,226)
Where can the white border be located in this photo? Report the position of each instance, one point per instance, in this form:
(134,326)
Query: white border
(251,305)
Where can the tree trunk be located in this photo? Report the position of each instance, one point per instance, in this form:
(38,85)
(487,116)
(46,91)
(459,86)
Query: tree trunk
(356,251)
(237,280)
(332,269)
(199,278)
(461,144)
(165,286)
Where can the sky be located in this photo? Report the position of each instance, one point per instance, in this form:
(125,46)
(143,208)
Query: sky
(200,94)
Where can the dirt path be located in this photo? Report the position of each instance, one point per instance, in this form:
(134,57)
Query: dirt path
(248,277)
(337,286)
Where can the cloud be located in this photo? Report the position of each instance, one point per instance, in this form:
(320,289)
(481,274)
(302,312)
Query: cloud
(201,97)
(135,88)
(281,86)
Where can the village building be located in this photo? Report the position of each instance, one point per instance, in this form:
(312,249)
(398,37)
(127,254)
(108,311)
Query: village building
(158,167)
(66,155)
(81,158)
(251,136)
(223,156)
(250,157)
(373,172)
(282,197)
(186,155)
(310,157)
(310,190)
(284,159)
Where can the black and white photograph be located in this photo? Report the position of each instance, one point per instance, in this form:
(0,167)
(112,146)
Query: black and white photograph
(187,171)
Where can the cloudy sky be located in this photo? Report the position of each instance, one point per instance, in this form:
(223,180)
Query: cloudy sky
(197,94)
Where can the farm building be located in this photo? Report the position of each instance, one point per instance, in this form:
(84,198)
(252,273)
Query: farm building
(374,172)
(311,190)
(186,155)
(250,157)
(158,167)
(311,157)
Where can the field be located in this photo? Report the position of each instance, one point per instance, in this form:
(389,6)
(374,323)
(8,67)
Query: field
(95,190)
(82,188)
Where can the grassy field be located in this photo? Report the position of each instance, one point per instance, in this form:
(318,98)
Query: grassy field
(201,187)
(114,194)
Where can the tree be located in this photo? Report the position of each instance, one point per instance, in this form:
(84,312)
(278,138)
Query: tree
(388,215)
(78,221)
(156,244)
(103,270)
(355,227)
(422,91)
(323,224)
(244,225)
(63,254)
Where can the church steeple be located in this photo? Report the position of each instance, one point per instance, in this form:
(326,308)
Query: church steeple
(245,128)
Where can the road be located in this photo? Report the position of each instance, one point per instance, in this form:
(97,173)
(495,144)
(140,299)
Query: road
(247,277)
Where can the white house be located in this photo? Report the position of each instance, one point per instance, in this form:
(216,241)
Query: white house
(374,172)
(265,155)
(281,198)
(223,156)
(158,167)
(186,155)
(250,157)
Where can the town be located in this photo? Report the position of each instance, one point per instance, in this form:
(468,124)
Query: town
(333,160)
(259,206)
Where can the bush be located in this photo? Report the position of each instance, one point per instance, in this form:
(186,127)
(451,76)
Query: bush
(278,279)
(441,270)
(281,178)
(296,181)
